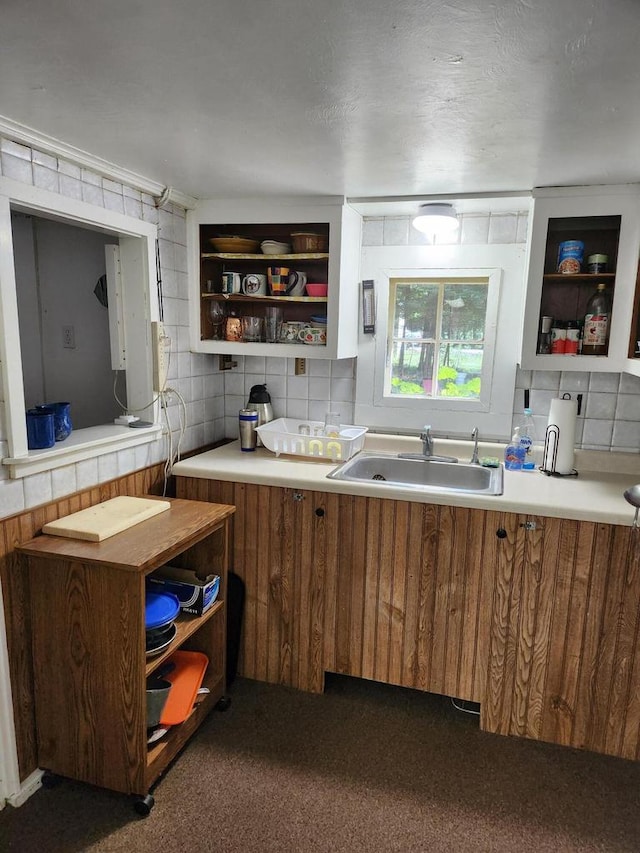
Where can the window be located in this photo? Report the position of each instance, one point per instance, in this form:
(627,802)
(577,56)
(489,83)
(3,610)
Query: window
(447,340)
(437,340)
(136,241)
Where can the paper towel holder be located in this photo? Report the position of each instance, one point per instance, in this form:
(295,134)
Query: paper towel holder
(551,442)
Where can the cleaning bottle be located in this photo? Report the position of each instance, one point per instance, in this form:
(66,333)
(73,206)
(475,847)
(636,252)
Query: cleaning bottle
(527,430)
(514,454)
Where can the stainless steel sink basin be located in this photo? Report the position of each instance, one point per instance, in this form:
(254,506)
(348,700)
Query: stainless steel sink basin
(420,474)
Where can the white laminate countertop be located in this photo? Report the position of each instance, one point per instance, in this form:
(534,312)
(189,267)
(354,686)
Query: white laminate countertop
(596,494)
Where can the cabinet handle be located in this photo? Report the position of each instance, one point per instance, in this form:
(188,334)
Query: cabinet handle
(320,512)
(501,533)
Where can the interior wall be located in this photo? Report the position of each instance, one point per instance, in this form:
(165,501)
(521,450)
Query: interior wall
(55,290)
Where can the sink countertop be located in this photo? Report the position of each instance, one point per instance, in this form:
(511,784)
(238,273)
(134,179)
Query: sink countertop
(596,494)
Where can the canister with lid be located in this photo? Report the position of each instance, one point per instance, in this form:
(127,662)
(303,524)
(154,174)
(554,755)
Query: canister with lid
(597,263)
(571,340)
(558,337)
(570,257)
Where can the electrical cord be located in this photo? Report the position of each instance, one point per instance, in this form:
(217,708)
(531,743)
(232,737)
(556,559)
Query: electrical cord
(173,454)
(464,710)
(125,409)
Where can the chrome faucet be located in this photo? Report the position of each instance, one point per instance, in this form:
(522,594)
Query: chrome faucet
(474,456)
(427,449)
(427,441)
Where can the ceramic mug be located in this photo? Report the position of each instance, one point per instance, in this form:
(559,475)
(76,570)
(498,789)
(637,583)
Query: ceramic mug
(231,282)
(313,335)
(289,332)
(254,284)
(278,280)
(297,282)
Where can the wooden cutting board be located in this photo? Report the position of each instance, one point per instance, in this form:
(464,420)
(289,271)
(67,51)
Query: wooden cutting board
(106,519)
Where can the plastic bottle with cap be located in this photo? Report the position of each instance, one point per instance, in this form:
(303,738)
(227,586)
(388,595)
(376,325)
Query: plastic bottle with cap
(527,431)
(514,454)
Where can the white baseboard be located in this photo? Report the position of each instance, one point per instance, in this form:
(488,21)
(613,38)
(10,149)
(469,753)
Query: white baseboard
(27,788)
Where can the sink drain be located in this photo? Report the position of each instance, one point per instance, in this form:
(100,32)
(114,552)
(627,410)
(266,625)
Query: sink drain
(378,477)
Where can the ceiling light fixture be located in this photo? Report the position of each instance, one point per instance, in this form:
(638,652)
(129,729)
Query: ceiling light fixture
(436,219)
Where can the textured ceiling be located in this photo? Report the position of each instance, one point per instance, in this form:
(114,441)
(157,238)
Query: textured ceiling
(338,97)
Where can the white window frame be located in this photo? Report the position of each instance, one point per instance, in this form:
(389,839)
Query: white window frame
(475,404)
(504,265)
(137,241)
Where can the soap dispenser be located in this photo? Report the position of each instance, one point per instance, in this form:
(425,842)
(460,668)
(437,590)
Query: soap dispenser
(260,402)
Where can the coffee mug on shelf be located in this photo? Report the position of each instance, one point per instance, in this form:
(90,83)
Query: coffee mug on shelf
(278,280)
(313,335)
(231,282)
(254,284)
(297,283)
(289,332)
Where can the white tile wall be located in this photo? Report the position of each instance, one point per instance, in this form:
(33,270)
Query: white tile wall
(609,416)
(195,377)
(610,412)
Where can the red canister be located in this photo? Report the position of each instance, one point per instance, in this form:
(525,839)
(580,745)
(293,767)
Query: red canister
(558,338)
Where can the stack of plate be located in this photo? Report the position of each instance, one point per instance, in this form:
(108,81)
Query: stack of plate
(319,319)
(160,612)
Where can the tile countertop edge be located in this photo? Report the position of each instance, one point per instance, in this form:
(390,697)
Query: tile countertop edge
(595,495)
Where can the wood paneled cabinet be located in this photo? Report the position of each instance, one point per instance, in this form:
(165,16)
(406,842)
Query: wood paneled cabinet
(88,640)
(564,661)
(535,618)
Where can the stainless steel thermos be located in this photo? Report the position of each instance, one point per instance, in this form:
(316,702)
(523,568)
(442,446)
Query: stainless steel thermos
(260,402)
(248,421)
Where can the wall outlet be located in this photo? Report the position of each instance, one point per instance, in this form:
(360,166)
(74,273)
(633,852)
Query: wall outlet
(161,348)
(68,337)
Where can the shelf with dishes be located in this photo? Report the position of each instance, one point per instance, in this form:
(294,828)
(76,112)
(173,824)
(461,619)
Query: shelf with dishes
(234,256)
(243,297)
(248,258)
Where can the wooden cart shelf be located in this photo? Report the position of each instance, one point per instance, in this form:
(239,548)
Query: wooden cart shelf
(88,640)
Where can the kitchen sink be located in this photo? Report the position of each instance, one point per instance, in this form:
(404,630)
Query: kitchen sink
(420,474)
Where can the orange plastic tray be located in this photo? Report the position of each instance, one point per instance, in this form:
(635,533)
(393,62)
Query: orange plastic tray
(186,680)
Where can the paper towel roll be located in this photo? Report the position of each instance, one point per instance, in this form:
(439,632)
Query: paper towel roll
(562,414)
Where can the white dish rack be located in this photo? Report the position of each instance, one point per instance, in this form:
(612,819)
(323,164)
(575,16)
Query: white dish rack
(283,436)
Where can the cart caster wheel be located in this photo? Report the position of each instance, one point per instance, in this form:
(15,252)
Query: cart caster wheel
(223,703)
(144,805)
(50,780)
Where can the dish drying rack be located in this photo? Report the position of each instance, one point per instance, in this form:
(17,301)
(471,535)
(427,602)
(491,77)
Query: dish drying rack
(283,436)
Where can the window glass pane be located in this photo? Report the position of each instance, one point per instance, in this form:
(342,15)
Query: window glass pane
(437,345)
(463,311)
(416,310)
(459,370)
(412,367)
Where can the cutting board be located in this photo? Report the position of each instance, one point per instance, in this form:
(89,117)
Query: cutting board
(186,679)
(106,519)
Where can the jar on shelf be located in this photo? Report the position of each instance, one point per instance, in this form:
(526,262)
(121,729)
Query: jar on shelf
(558,338)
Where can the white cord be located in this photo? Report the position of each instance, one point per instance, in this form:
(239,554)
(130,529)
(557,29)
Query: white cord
(465,710)
(125,409)
(173,456)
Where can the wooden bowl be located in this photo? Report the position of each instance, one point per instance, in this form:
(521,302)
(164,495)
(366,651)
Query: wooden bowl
(235,245)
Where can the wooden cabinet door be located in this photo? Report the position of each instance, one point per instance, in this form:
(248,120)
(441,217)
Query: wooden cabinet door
(278,548)
(412,586)
(564,662)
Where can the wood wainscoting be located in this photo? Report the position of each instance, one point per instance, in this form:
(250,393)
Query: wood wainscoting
(14,531)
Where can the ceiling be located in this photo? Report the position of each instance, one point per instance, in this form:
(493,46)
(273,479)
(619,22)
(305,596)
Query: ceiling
(361,98)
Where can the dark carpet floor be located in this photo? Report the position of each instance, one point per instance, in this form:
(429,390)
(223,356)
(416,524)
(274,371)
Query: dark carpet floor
(364,767)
